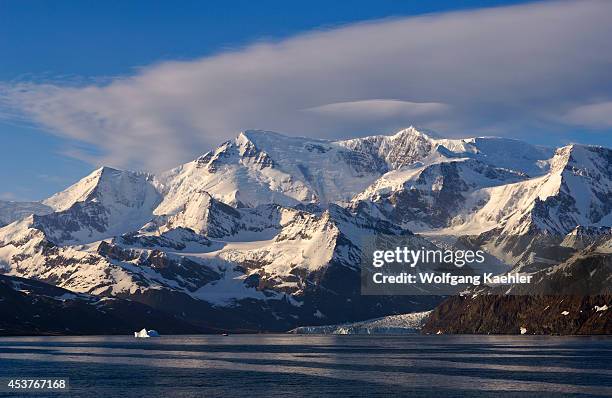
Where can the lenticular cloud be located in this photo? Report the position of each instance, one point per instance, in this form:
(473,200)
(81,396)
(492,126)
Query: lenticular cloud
(471,71)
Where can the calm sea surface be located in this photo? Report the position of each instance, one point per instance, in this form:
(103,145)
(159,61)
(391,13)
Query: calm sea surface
(314,366)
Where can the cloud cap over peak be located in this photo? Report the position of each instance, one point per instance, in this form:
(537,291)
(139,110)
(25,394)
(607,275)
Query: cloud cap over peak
(497,70)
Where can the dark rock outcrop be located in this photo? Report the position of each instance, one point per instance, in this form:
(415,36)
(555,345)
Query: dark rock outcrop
(574,297)
(493,314)
(35,308)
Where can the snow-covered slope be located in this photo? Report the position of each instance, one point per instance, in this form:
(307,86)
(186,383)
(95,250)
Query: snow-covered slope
(409,146)
(300,261)
(260,167)
(123,266)
(503,153)
(263,167)
(108,202)
(213,218)
(236,173)
(12,211)
(434,195)
(577,191)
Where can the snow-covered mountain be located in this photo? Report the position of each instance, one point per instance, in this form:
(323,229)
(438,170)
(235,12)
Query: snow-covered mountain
(266,231)
(435,194)
(12,211)
(259,167)
(108,202)
(576,191)
(410,146)
(519,219)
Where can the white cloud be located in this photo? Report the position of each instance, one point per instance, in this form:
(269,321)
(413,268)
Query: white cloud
(504,68)
(380,110)
(597,115)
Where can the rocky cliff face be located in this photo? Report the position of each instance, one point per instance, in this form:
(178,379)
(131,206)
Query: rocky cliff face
(574,297)
(503,314)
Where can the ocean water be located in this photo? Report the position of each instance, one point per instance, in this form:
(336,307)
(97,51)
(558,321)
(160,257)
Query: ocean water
(314,365)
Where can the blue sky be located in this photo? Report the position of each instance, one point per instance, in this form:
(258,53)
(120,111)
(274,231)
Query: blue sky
(61,52)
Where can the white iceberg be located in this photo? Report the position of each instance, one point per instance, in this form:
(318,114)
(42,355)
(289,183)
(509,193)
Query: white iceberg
(143,334)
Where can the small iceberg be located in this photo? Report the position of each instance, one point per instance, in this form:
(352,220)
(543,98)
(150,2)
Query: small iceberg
(144,333)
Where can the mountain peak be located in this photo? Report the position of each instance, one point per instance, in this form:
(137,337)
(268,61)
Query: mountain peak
(78,191)
(105,170)
(414,132)
(102,181)
(579,156)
